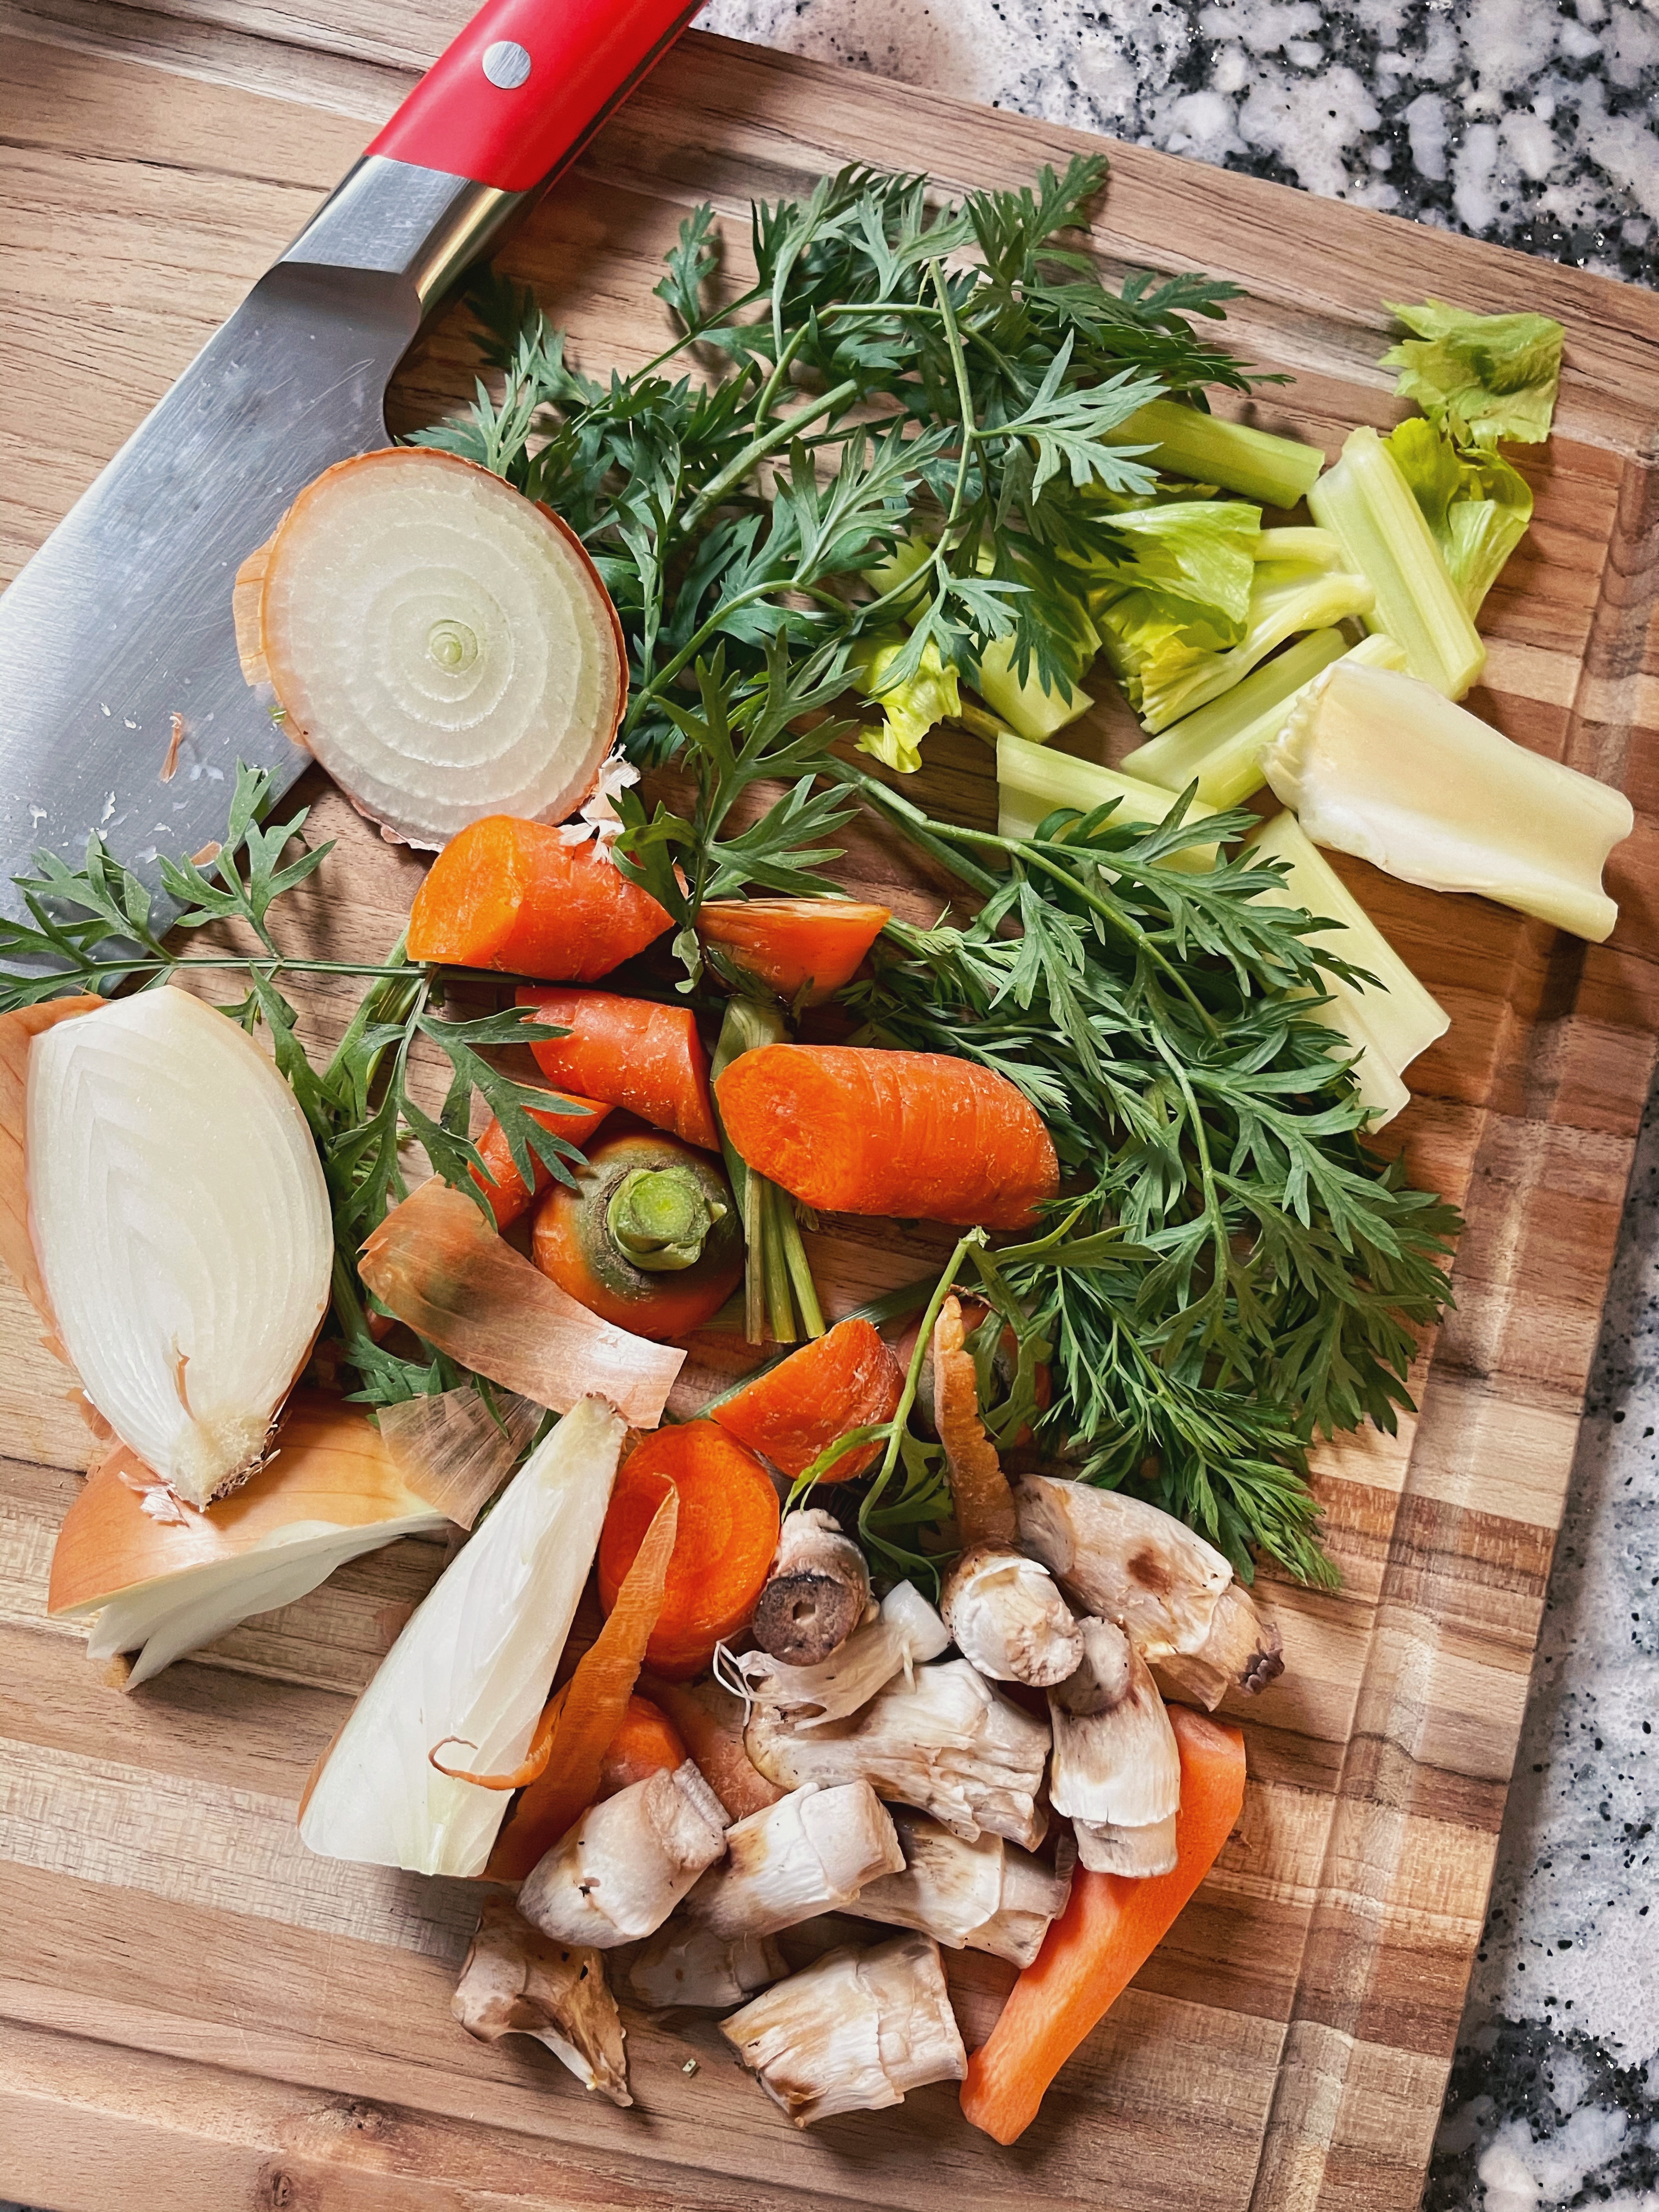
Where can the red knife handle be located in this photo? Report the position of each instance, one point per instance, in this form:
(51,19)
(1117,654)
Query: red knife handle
(525,83)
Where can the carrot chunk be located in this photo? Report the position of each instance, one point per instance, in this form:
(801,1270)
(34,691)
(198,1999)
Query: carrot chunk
(728,1532)
(912,1135)
(648,1742)
(846,1379)
(501,1184)
(516,897)
(1109,1929)
(630,1052)
(794,946)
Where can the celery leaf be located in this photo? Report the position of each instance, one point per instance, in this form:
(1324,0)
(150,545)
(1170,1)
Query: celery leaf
(1479,378)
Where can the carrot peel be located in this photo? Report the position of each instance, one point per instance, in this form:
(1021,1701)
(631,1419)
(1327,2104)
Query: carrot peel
(1109,1929)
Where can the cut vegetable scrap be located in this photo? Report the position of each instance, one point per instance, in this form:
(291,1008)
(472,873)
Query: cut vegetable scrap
(1380,765)
(1196,557)
(441,644)
(473,1665)
(710,1719)
(1030,708)
(804,950)
(630,1052)
(593,1706)
(810,1853)
(1388,1027)
(436,1263)
(913,1133)
(516,1982)
(1221,746)
(573,1120)
(1480,378)
(1109,1929)
(909,709)
(816,1593)
(647,1236)
(648,1742)
(852,2033)
(1476,505)
(528,899)
(845,1380)
(1190,441)
(331,1491)
(986,1895)
(1366,502)
(1115,1772)
(457,1448)
(1032,782)
(181,1222)
(904,1634)
(728,1535)
(619,1873)
(685,1964)
(18,1030)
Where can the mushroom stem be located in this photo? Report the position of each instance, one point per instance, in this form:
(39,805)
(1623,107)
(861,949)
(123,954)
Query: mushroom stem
(812,1852)
(817,1592)
(628,1861)
(1006,1614)
(853,2033)
(1116,1766)
(515,1982)
(1241,1651)
(987,1895)
(686,1965)
(906,1630)
(1135,1852)
(1125,1561)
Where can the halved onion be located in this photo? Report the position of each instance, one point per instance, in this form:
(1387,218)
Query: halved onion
(331,1491)
(181,1222)
(442,644)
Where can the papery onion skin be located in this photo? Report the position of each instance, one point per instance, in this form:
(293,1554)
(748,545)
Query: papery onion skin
(443,645)
(181,1221)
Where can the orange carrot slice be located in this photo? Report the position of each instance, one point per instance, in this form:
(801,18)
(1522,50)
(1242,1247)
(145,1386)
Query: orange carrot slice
(728,1532)
(1109,1929)
(631,1053)
(648,1742)
(592,1706)
(846,1379)
(800,947)
(501,1184)
(517,896)
(911,1135)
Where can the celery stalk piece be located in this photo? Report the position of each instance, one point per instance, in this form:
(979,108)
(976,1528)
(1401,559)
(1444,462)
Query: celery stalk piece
(1223,745)
(1309,548)
(1286,599)
(1273,471)
(1388,1027)
(1366,501)
(1031,782)
(1379,764)
(1027,707)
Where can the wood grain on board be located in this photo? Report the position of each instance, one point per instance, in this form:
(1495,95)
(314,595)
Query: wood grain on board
(195,2014)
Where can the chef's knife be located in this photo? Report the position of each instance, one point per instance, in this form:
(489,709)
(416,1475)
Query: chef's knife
(122,621)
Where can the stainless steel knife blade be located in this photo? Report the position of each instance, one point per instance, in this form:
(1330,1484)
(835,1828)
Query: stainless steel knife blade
(123,619)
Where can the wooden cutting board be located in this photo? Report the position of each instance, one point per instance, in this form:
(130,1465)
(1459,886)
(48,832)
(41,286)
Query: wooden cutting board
(195,2015)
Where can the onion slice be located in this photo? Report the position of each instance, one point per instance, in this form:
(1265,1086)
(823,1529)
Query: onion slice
(18,1031)
(181,1222)
(439,1265)
(474,1666)
(330,1491)
(443,645)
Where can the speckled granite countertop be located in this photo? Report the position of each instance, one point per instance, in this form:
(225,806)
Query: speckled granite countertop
(1535,123)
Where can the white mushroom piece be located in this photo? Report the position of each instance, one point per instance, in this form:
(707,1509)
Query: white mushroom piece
(516,1982)
(987,1895)
(1116,1768)
(948,1744)
(628,1861)
(686,1965)
(817,1594)
(1001,1607)
(853,2033)
(811,1852)
(1174,1595)
(904,1634)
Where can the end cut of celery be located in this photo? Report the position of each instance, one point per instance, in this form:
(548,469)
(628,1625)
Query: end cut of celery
(1388,1027)
(1273,471)
(1379,764)
(1032,782)
(1224,745)
(1027,707)
(1366,502)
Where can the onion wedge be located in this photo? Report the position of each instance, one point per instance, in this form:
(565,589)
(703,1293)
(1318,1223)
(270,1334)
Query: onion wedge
(473,1667)
(443,645)
(437,1264)
(181,1222)
(18,1031)
(330,1491)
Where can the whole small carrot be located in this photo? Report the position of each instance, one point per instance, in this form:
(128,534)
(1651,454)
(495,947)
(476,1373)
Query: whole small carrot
(501,1182)
(519,897)
(1110,1927)
(630,1052)
(801,948)
(910,1134)
(846,1379)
